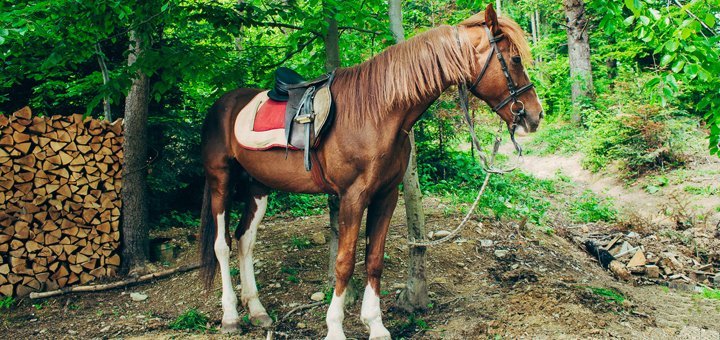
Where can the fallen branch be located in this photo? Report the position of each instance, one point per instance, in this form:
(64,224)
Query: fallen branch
(301,307)
(117,284)
(607,260)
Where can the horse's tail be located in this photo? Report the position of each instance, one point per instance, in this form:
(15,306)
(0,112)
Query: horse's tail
(208,229)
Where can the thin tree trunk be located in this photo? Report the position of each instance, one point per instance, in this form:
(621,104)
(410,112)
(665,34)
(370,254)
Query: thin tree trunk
(533,27)
(332,61)
(106,79)
(415,295)
(498,5)
(134,209)
(579,55)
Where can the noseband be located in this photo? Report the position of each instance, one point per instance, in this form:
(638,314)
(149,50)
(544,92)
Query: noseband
(517,107)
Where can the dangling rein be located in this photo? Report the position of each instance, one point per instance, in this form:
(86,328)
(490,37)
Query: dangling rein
(488,164)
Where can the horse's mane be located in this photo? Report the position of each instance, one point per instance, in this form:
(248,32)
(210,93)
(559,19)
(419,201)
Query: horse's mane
(409,72)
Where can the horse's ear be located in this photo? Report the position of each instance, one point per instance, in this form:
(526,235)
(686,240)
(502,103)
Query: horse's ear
(491,19)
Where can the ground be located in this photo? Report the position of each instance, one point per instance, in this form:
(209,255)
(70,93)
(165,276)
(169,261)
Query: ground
(528,283)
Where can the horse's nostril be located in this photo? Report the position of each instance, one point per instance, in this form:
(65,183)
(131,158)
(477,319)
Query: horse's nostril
(542,114)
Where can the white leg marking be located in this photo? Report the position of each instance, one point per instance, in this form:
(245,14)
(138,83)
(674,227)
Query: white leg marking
(222,252)
(371,315)
(335,317)
(249,294)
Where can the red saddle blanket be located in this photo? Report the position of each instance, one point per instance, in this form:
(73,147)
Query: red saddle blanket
(270,116)
(260,125)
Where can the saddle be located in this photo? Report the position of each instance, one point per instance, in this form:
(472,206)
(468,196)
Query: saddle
(309,110)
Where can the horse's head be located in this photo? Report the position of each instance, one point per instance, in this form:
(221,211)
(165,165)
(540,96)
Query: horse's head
(501,80)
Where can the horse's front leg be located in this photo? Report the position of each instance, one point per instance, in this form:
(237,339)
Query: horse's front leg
(351,209)
(379,214)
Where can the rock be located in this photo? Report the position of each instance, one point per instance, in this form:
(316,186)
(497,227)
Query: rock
(399,286)
(633,234)
(318,296)
(500,253)
(679,285)
(652,271)
(440,234)
(638,260)
(301,325)
(72,332)
(486,243)
(318,238)
(137,297)
(716,280)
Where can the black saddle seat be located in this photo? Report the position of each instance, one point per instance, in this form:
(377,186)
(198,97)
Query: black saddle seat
(284,77)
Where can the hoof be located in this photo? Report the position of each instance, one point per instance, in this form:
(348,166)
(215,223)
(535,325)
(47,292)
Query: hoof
(230,326)
(261,320)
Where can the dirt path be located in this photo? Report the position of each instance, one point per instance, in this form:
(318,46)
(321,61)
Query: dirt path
(634,199)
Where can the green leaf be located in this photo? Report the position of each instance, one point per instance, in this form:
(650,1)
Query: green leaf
(710,20)
(691,70)
(678,66)
(704,102)
(666,59)
(2,40)
(655,13)
(685,33)
(644,20)
(629,20)
(672,45)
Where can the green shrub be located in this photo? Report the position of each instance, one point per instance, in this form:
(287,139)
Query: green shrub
(192,319)
(638,135)
(296,205)
(557,137)
(590,208)
(514,195)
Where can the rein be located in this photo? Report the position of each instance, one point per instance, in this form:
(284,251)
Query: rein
(487,163)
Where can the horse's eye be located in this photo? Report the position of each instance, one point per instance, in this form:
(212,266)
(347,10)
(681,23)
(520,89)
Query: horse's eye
(516,59)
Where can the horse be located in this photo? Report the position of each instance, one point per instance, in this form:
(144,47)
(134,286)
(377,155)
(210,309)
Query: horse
(363,155)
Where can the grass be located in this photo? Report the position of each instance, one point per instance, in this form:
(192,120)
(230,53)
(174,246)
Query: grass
(610,295)
(192,320)
(292,274)
(300,242)
(591,208)
(6,303)
(556,138)
(702,191)
(712,294)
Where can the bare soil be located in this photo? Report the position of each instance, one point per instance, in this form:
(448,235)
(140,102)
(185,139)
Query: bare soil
(541,287)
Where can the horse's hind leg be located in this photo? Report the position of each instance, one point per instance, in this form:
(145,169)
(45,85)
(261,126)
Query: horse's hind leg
(379,214)
(255,205)
(218,177)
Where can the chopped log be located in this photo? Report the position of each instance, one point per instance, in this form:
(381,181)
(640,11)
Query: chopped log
(24,113)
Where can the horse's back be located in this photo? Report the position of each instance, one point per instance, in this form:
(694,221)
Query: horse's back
(218,126)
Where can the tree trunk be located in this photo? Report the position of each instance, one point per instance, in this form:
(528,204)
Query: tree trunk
(415,295)
(579,55)
(134,209)
(332,61)
(498,5)
(106,79)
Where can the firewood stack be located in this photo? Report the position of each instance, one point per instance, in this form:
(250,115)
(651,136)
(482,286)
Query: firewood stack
(59,201)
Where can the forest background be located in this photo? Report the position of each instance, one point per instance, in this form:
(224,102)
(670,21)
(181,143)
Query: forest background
(650,102)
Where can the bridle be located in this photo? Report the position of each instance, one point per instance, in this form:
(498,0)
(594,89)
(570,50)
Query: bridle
(512,99)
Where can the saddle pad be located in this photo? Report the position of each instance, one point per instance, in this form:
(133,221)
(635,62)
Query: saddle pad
(257,133)
(270,116)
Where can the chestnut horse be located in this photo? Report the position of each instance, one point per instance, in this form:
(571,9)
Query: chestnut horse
(363,155)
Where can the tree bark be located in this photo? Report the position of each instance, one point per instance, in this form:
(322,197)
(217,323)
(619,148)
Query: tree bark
(579,56)
(134,209)
(414,296)
(498,5)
